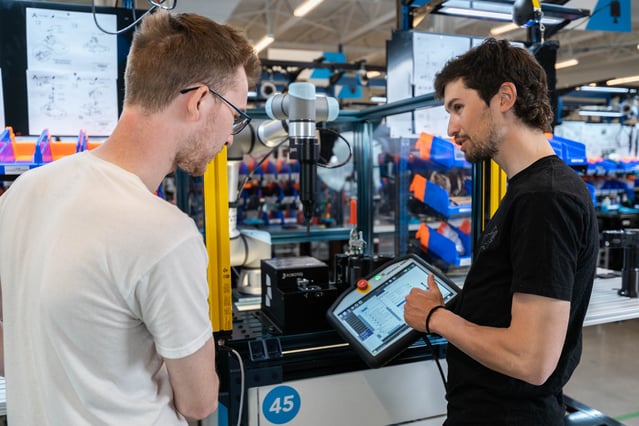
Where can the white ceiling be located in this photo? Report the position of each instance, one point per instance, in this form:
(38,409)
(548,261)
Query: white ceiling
(360,29)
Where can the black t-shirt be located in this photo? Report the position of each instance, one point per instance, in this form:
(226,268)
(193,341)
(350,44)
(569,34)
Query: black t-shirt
(542,240)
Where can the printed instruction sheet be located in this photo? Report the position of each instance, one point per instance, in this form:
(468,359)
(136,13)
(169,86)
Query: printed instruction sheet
(71,72)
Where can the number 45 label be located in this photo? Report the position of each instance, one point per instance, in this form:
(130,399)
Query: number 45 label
(281,405)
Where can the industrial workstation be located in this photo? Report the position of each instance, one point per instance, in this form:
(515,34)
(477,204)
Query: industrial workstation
(351,191)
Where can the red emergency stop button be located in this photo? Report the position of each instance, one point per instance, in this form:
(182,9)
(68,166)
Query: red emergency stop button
(362,284)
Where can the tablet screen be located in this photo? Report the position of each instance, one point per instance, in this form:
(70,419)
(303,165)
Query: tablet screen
(372,320)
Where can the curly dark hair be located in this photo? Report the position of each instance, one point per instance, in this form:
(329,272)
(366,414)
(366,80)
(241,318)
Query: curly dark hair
(486,66)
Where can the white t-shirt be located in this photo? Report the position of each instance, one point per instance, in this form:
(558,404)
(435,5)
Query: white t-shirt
(100,280)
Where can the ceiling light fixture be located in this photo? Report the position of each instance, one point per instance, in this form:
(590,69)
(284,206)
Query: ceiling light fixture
(475,13)
(566,64)
(496,14)
(264,43)
(603,89)
(623,80)
(596,113)
(500,10)
(306,7)
(504,29)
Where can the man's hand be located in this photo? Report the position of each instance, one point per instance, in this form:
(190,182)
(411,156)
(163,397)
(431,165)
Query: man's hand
(419,302)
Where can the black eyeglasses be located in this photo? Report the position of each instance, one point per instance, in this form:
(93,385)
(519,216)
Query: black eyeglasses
(240,121)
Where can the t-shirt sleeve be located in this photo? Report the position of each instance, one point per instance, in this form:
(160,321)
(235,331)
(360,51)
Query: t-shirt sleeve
(545,244)
(173,300)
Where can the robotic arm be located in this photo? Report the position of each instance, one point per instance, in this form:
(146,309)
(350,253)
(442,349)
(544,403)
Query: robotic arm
(301,108)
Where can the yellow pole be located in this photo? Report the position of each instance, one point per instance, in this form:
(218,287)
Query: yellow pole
(217,238)
(497,187)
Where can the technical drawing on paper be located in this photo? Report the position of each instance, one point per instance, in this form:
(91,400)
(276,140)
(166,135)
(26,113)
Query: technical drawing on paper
(95,46)
(67,102)
(66,41)
(49,47)
(51,106)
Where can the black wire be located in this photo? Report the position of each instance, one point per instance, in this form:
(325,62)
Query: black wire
(118,32)
(436,358)
(257,166)
(248,177)
(350,151)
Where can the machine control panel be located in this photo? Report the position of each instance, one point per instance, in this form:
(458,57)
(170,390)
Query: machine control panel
(371,316)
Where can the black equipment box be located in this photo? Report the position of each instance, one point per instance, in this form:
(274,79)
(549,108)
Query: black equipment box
(296,293)
(285,273)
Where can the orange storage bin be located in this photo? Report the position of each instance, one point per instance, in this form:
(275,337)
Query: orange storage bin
(93,145)
(61,149)
(24,151)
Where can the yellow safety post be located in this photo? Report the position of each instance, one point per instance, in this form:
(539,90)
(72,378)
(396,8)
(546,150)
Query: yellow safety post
(496,188)
(218,243)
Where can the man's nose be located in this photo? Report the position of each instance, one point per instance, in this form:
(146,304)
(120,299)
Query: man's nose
(452,129)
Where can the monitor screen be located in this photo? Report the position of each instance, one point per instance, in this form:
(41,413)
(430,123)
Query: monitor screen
(372,320)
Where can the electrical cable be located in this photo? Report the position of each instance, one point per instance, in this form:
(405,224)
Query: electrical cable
(155,4)
(436,358)
(241,364)
(248,177)
(350,150)
(257,166)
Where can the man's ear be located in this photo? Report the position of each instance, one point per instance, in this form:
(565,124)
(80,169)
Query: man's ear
(507,96)
(194,103)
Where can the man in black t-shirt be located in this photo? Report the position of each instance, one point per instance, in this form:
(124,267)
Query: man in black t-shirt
(515,331)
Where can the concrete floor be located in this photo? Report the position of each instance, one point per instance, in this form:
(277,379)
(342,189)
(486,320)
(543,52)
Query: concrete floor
(607,379)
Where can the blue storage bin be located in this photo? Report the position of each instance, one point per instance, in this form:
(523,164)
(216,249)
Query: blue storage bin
(444,248)
(436,197)
(574,153)
(439,151)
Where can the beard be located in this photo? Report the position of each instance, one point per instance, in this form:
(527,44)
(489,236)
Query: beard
(197,152)
(193,158)
(484,148)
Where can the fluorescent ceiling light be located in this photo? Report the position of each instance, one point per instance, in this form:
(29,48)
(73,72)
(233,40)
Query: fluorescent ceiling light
(475,13)
(623,80)
(264,43)
(496,12)
(595,113)
(373,74)
(504,29)
(378,99)
(603,89)
(566,64)
(306,7)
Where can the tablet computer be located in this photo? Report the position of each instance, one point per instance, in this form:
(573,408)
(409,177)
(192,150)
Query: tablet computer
(371,316)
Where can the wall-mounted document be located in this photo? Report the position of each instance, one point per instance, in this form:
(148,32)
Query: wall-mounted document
(66,102)
(70,41)
(71,72)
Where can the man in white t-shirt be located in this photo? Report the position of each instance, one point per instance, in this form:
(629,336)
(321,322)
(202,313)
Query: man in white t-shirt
(104,286)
